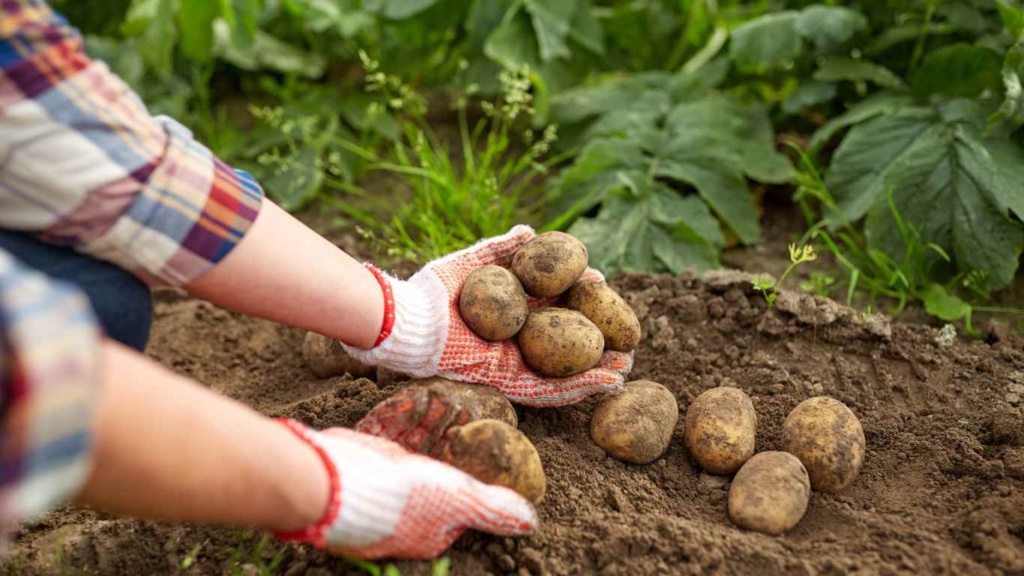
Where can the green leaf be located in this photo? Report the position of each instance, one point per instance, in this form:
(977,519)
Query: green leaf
(881,103)
(769,40)
(244,21)
(1010,115)
(960,70)
(943,305)
(441,567)
(152,21)
(1009,162)
(866,156)
(944,186)
(1012,16)
(807,94)
(195,25)
(551,21)
(270,53)
(295,178)
(829,27)
(848,69)
(402,9)
(586,29)
(512,43)
(911,31)
(636,236)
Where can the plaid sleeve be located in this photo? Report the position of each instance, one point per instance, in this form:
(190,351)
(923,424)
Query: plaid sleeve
(84,164)
(49,375)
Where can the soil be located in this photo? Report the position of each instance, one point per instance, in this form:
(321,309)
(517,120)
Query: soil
(941,491)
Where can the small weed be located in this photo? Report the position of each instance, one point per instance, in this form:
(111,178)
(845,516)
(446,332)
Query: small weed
(247,552)
(451,204)
(441,567)
(190,559)
(819,283)
(769,287)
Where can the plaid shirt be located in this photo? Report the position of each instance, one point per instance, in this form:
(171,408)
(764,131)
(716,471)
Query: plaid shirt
(83,164)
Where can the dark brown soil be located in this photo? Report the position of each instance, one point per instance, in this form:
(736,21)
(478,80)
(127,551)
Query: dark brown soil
(941,491)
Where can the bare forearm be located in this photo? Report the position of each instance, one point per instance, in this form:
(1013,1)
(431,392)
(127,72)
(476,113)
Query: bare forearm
(167,448)
(285,272)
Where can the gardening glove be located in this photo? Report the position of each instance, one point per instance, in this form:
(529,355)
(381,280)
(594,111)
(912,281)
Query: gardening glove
(424,334)
(387,502)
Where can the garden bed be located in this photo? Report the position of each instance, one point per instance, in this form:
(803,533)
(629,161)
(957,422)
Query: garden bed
(942,489)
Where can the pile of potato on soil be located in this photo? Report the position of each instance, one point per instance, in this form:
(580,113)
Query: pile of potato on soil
(474,428)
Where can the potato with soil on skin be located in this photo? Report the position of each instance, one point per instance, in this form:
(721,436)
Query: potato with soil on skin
(418,416)
(636,426)
(326,358)
(770,493)
(720,429)
(557,342)
(828,438)
(495,453)
(608,311)
(549,264)
(493,303)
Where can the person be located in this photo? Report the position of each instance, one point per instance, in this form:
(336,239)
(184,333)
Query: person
(99,202)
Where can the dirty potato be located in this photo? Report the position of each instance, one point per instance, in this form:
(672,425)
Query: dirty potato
(495,453)
(606,309)
(493,303)
(828,438)
(418,416)
(326,358)
(636,426)
(720,430)
(558,342)
(770,493)
(549,264)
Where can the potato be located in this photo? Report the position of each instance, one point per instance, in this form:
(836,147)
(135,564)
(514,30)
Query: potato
(418,416)
(637,425)
(493,303)
(770,493)
(828,438)
(559,342)
(608,311)
(495,453)
(549,264)
(720,430)
(326,358)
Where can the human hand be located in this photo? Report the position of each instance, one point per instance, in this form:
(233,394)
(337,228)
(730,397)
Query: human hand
(424,334)
(388,502)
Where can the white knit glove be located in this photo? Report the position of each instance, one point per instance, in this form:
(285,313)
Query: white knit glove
(387,502)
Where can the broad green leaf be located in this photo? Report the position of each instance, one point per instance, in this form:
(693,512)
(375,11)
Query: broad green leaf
(848,69)
(1013,17)
(697,83)
(829,27)
(512,43)
(903,33)
(551,23)
(761,161)
(1009,161)
(195,25)
(938,302)
(152,22)
(627,235)
(244,21)
(769,40)
(604,166)
(295,178)
(269,53)
(958,70)
(586,29)
(944,187)
(1010,115)
(585,102)
(881,103)
(857,175)
(402,9)
(807,94)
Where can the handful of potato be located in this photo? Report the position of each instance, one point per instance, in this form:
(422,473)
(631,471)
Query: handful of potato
(555,341)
